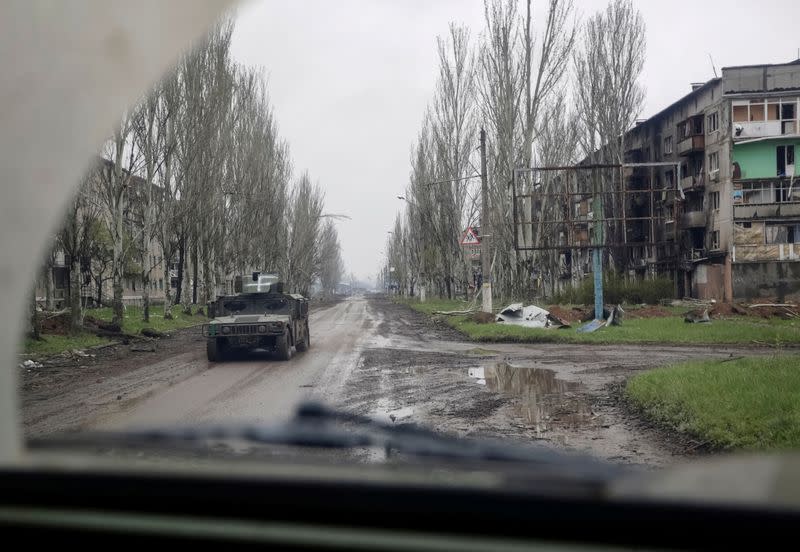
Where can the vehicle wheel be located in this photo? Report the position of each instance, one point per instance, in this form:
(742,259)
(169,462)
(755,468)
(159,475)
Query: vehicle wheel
(306,343)
(283,346)
(215,350)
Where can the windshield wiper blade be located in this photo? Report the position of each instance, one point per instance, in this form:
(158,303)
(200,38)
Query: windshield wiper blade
(318,426)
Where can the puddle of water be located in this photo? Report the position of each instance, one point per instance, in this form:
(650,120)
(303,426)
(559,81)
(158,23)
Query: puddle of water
(542,398)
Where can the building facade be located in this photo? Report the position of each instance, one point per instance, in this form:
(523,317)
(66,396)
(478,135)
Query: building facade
(727,224)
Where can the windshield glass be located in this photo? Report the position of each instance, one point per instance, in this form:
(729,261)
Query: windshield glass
(546,223)
(257,305)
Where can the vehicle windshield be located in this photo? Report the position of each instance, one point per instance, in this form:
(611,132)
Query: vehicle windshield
(554,224)
(257,305)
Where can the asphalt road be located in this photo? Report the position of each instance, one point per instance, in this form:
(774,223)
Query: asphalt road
(258,387)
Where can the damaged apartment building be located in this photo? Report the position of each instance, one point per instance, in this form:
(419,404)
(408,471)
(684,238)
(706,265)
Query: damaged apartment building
(725,220)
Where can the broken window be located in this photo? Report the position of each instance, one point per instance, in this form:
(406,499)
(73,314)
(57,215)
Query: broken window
(713,162)
(713,200)
(697,125)
(785,160)
(667,145)
(712,122)
(715,239)
(776,233)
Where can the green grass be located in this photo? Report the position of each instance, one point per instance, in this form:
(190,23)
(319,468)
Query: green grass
(133,323)
(744,330)
(54,344)
(749,403)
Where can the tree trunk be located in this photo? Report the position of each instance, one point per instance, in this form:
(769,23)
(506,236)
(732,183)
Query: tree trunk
(146,280)
(76,308)
(167,262)
(99,283)
(181,264)
(35,324)
(117,271)
(195,274)
(49,285)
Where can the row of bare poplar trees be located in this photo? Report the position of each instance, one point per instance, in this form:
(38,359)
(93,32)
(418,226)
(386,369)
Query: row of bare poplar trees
(199,168)
(549,89)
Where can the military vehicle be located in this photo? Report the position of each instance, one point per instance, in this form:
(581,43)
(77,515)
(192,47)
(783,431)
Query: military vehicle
(261,316)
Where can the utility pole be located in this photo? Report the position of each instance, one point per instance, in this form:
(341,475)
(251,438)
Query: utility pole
(486,261)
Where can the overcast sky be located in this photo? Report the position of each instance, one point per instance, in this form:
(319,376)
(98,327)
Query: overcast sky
(350,80)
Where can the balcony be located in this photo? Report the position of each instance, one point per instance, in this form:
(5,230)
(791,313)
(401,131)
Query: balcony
(766,210)
(692,144)
(693,219)
(693,183)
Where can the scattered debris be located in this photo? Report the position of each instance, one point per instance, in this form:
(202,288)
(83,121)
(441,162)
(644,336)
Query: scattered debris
(588,316)
(570,316)
(697,316)
(456,312)
(529,316)
(775,310)
(615,318)
(592,326)
(689,303)
(31,364)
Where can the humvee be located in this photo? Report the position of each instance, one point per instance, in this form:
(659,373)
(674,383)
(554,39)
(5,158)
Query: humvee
(260,317)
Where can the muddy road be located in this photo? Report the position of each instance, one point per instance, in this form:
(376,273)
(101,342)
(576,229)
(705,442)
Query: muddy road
(377,358)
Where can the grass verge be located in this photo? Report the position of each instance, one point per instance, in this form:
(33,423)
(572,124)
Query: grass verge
(54,344)
(133,323)
(747,403)
(742,330)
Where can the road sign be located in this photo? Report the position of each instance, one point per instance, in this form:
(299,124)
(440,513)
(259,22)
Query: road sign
(470,237)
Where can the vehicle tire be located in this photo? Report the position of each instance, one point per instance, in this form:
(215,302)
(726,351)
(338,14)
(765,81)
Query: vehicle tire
(306,343)
(283,346)
(215,350)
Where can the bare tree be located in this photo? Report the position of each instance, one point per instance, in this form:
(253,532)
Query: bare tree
(454,134)
(114,181)
(304,219)
(609,96)
(331,267)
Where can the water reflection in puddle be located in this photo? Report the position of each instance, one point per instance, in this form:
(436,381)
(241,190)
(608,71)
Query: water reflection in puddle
(542,398)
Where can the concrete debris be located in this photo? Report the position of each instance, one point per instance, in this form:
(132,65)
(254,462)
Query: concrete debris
(31,364)
(697,316)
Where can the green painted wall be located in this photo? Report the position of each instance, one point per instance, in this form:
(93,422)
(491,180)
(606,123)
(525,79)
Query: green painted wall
(758,159)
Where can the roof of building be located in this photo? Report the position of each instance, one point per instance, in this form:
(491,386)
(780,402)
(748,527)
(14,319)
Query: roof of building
(795,62)
(688,96)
